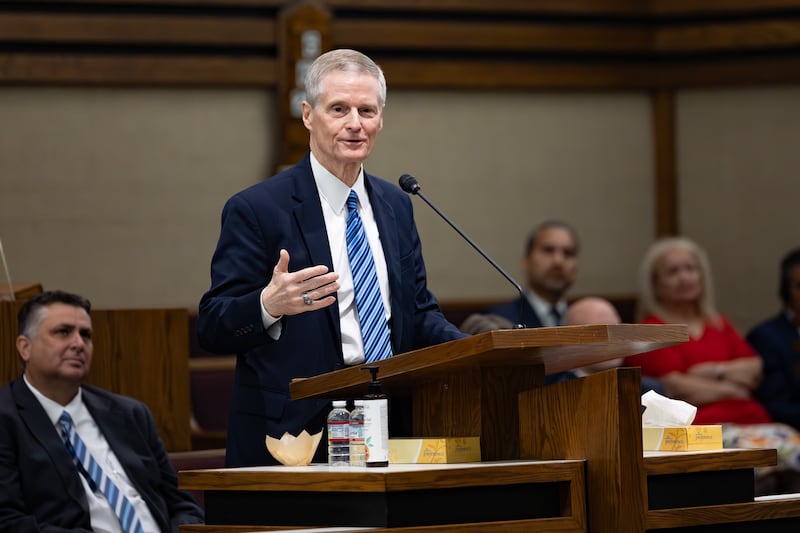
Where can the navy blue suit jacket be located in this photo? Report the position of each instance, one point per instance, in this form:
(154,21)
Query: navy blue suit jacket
(778,343)
(41,489)
(510,311)
(285,212)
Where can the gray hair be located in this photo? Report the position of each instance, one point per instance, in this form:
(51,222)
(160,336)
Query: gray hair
(342,60)
(648,302)
(32,312)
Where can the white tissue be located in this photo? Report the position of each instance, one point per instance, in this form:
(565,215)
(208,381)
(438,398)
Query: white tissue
(663,411)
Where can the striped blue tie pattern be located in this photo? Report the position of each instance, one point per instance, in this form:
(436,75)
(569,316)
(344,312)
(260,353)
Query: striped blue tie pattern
(371,316)
(95,476)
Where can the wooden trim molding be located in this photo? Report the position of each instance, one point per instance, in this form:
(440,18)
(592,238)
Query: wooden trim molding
(666,180)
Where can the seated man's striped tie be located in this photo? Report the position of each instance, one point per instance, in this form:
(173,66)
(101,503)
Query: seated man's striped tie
(97,479)
(369,303)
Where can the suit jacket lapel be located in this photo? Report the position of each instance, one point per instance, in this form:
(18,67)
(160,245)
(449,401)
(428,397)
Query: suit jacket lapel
(41,428)
(112,422)
(311,226)
(387,228)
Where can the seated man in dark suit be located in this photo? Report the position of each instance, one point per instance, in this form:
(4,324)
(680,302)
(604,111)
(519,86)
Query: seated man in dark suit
(549,264)
(74,457)
(777,341)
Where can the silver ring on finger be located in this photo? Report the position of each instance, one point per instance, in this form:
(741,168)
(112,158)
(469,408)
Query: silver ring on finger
(307,299)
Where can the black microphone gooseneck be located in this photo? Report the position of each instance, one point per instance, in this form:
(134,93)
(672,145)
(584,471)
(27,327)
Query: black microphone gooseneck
(410,185)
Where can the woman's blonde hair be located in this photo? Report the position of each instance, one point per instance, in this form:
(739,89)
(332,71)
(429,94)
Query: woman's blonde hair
(648,302)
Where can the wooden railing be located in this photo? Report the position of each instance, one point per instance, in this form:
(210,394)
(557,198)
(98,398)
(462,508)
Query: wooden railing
(506,44)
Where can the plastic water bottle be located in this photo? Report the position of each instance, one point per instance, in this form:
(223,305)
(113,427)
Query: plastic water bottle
(339,435)
(357,457)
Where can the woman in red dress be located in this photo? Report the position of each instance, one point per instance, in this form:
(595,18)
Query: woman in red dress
(716,370)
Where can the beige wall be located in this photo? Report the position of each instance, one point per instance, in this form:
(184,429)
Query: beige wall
(740,189)
(116,193)
(499,163)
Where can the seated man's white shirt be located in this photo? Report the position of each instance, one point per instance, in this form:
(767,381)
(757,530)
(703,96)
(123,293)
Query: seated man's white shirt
(542,309)
(103,518)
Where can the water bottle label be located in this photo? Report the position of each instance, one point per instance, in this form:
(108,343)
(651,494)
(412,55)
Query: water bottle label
(376,430)
(339,431)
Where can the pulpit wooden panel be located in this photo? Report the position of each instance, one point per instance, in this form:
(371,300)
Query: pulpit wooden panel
(469,387)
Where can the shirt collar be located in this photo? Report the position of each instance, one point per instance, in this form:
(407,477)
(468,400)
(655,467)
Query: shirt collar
(542,307)
(54,409)
(332,189)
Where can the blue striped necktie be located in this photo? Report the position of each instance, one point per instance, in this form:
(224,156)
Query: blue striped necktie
(95,476)
(369,303)
(557,316)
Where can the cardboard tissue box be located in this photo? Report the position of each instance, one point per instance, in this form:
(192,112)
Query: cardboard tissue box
(682,438)
(435,450)
(667,426)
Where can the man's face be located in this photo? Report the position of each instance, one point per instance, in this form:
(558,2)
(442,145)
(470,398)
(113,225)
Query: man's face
(345,122)
(551,264)
(61,350)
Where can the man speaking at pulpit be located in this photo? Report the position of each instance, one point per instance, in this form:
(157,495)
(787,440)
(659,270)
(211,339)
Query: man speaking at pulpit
(317,268)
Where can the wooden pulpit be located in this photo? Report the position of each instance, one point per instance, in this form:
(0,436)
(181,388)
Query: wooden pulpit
(471,387)
(493,385)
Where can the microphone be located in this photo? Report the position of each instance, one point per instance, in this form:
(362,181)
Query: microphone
(410,185)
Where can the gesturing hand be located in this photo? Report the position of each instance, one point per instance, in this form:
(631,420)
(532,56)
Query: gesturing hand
(291,293)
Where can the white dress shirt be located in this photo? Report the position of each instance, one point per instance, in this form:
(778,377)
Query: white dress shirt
(102,516)
(542,308)
(333,195)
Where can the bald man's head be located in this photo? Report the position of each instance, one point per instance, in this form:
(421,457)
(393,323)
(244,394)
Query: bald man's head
(591,310)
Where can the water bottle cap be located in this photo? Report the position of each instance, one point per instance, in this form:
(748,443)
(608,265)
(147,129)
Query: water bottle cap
(339,403)
(358,403)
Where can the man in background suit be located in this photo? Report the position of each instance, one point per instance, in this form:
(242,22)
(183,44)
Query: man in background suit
(282,294)
(43,487)
(777,340)
(550,263)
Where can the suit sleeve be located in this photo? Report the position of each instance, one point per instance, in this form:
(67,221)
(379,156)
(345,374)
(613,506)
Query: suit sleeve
(229,318)
(777,388)
(179,504)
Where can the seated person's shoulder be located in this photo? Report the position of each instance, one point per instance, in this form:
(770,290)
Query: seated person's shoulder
(482,322)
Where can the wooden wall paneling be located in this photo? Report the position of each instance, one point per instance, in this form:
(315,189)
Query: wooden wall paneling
(718,7)
(136,70)
(507,35)
(666,179)
(304,30)
(496,74)
(727,35)
(729,71)
(575,7)
(10,365)
(107,44)
(127,28)
(621,7)
(144,353)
